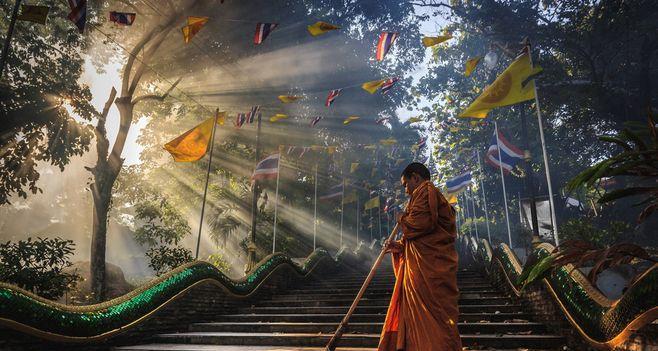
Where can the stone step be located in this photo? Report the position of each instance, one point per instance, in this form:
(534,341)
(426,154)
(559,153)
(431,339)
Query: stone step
(354,340)
(367,301)
(359,317)
(202,347)
(368,309)
(356,328)
(322,296)
(354,290)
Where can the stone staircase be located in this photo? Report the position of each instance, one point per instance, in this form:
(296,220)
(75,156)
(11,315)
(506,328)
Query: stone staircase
(305,318)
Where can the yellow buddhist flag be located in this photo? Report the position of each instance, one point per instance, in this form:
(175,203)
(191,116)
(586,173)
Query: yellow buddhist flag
(372,86)
(317,148)
(431,41)
(452,198)
(372,203)
(350,119)
(319,28)
(514,85)
(454,129)
(349,197)
(194,25)
(193,144)
(221,117)
(286,99)
(370,147)
(354,166)
(33,13)
(331,149)
(414,120)
(389,141)
(277,117)
(471,64)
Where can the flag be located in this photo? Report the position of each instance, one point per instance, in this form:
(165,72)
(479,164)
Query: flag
(421,143)
(389,141)
(251,115)
(350,119)
(382,120)
(193,144)
(471,64)
(78,14)
(319,28)
(458,183)
(350,197)
(431,41)
(125,18)
(333,192)
(291,149)
(388,84)
(452,198)
(240,118)
(277,117)
(386,40)
(267,168)
(514,85)
(262,31)
(221,117)
(372,86)
(304,150)
(331,149)
(194,25)
(414,120)
(354,166)
(372,203)
(286,99)
(315,120)
(508,156)
(32,13)
(332,96)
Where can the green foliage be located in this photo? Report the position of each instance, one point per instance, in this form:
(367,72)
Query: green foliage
(163,258)
(535,272)
(37,265)
(600,235)
(220,262)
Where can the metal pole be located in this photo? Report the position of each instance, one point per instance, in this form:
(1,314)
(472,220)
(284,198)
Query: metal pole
(254,207)
(529,178)
(358,214)
(371,225)
(502,178)
(276,201)
(342,206)
(205,190)
(315,208)
(467,213)
(477,235)
(10,33)
(379,214)
(484,197)
(545,154)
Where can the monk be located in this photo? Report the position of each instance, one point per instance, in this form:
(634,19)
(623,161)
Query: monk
(423,312)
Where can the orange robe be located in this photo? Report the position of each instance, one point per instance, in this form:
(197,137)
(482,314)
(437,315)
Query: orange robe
(423,312)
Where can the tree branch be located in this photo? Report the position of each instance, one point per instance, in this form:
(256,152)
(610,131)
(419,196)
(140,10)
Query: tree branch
(156,96)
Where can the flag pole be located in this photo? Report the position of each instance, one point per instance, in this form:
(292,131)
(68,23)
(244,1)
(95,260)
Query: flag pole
(276,200)
(315,208)
(545,154)
(342,206)
(10,33)
(502,178)
(484,197)
(467,213)
(477,235)
(379,214)
(205,190)
(251,248)
(357,219)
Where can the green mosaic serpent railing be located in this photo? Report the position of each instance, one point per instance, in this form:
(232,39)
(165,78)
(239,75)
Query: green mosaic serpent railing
(26,312)
(603,323)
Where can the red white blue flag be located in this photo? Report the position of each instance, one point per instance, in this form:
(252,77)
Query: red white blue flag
(78,14)
(386,40)
(267,168)
(315,120)
(262,31)
(125,18)
(251,116)
(421,143)
(388,84)
(332,96)
(240,119)
(503,153)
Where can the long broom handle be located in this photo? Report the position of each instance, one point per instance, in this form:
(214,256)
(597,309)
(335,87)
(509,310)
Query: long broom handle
(331,346)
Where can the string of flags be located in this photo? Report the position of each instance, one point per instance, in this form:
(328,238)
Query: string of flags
(262,31)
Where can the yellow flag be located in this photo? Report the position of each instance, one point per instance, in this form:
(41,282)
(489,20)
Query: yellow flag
(317,147)
(350,119)
(372,86)
(277,117)
(372,203)
(471,64)
(349,197)
(370,147)
(193,144)
(319,28)
(431,41)
(389,141)
(221,117)
(286,99)
(33,13)
(354,166)
(194,25)
(331,149)
(507,89)
(414,120)
(454,129)
(452,198)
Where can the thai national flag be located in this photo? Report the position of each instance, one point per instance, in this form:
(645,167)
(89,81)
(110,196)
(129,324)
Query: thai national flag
(333,192)
(386,40)
(421,143)
(511,155)
(267,168)
(251,116)
(125,18)
(458,183)
(262,31)
(332,96)
(240,119)
(388,84)
(78,14)
(315,121)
